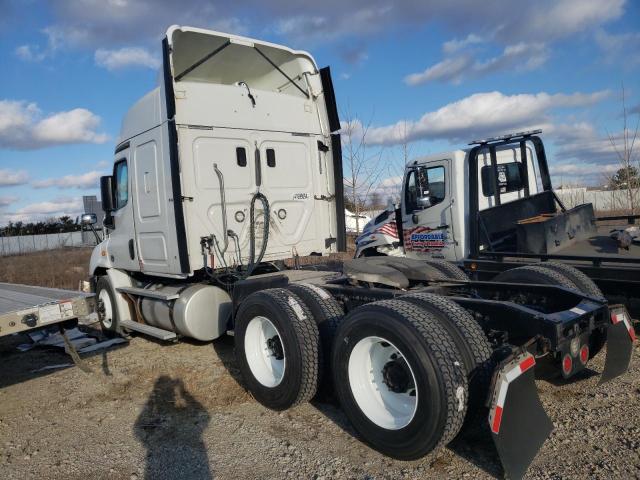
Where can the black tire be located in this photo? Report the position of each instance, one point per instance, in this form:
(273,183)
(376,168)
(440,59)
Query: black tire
(448,269)
(299,339)
(588,287)
(327,313)
(110,328)
(581,281)
(440,377)
(470,340)
(535,274)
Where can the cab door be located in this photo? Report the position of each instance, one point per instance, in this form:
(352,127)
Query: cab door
(426,211)
(122,248)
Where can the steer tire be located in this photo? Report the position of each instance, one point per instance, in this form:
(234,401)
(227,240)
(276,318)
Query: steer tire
(440,388)
(299,348)
(470,340)
(328,314)
(448,269)
(588,287)
(107,308)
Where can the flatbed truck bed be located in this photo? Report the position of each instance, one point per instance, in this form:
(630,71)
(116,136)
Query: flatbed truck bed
(26,307)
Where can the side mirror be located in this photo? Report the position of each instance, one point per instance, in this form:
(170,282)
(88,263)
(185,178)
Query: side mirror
(106,193)
(424,202)
(89,219)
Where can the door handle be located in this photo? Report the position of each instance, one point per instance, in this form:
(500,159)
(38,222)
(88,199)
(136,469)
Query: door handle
(442,226)
(132,253)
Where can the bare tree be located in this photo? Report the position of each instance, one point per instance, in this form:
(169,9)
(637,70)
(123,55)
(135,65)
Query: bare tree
(626,177)
(362,168)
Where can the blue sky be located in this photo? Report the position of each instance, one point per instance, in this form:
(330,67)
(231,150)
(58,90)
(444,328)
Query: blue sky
(438,73)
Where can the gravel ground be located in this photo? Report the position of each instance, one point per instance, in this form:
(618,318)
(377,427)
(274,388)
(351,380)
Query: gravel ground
(178,411)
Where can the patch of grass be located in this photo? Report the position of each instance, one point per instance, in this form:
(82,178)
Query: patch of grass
(61,268)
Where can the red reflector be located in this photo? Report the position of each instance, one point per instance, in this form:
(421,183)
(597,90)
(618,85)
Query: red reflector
(527,363)
(584,354)
(497,419)
(567,364)
(614,318)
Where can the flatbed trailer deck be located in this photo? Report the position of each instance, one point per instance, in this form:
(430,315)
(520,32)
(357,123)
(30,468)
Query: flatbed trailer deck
(26,307)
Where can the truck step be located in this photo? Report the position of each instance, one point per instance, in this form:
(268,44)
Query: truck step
(155,332)
(144,292)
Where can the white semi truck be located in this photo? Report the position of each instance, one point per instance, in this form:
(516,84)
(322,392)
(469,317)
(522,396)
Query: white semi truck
(233,164)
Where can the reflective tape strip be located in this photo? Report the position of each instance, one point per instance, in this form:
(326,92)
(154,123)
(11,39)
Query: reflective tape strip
(495,415)
(578,311)
(622,317)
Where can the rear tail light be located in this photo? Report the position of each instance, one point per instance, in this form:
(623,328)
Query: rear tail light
(584,354)
(567,364)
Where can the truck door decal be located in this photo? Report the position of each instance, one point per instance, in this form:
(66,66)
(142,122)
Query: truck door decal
(425,239)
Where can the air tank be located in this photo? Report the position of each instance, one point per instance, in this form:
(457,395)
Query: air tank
(201,311)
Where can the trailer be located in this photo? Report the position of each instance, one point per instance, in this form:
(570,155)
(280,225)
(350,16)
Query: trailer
(25,307)
(233,164)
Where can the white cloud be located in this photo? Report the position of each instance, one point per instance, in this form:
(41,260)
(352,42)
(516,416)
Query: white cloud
(23,126)
(82,181)
(452,46)
(480,115)
(126,57)
(10,178)
(30,53)
(7,200)
(518,57)
(617,47)
(56,207)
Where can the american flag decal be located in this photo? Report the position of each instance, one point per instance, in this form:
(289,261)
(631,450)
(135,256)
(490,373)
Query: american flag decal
(388,229)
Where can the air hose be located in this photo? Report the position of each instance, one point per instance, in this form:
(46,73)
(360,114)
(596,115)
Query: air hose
(253,261)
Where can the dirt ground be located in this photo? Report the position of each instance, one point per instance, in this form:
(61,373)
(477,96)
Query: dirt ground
(178,411)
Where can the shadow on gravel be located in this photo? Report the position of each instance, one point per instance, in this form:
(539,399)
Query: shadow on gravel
(475,445)
(223,347)
(170,427)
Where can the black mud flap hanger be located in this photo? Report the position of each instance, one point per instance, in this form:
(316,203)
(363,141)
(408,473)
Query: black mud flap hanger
(620,337)
(519,425)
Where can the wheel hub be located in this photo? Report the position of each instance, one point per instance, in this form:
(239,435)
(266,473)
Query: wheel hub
(275,347)
(396,375)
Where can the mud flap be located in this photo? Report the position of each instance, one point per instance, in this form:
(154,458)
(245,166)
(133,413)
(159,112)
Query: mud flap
(519,425)
(620,337)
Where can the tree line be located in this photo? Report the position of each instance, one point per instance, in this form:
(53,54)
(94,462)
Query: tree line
(61,224)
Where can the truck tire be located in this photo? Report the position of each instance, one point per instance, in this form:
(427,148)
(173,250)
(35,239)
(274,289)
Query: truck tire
(107,308)
(327,313)
(584,283)
(450,270)
(277,348)
(587,286)
(399,378)
(535,274)
(469,339)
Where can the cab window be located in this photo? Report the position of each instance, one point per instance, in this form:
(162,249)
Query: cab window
(424,182)
(510,178)
(121,176)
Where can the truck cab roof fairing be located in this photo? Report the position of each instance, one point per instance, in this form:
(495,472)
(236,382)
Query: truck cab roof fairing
(207,56)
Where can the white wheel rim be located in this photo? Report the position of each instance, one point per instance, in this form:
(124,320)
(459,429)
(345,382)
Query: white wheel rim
(263,359)
(373,393)
(107,316)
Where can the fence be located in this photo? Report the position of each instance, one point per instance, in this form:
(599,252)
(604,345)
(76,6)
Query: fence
(603,200)
(34,243)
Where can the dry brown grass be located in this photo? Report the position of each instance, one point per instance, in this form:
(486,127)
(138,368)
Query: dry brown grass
(62,268)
